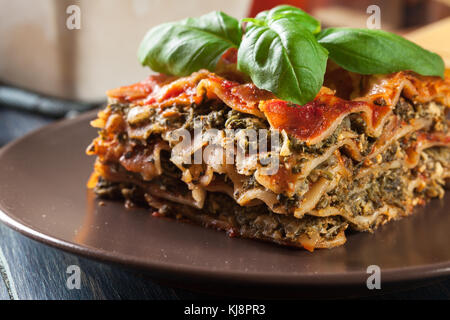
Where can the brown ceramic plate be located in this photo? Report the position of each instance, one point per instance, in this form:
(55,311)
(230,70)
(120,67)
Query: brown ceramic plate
(43,195)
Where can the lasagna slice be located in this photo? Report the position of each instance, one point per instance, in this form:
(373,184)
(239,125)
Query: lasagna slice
(366,150)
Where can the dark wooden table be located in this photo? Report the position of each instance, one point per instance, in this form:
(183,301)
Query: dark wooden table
(31,270)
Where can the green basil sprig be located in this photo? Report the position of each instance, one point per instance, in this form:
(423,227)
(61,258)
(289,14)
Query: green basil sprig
(281,55)
(292,13)
(368,51)
(180,48)
(283,50)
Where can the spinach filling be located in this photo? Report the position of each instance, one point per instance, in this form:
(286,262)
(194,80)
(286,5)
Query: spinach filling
(408,110)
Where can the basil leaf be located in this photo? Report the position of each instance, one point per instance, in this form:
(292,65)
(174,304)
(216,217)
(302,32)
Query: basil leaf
(368,51)
(292,13)
(284,58)
(183,47)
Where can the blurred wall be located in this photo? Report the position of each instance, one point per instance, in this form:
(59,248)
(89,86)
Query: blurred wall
(40,53)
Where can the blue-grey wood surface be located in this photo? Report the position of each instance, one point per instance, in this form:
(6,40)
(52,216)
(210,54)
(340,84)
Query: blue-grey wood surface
(31,270)
(4,294)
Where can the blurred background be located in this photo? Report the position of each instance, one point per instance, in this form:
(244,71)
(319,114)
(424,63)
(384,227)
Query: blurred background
(40,53)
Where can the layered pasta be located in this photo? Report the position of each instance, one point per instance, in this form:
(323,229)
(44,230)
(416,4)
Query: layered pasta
(366,150)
